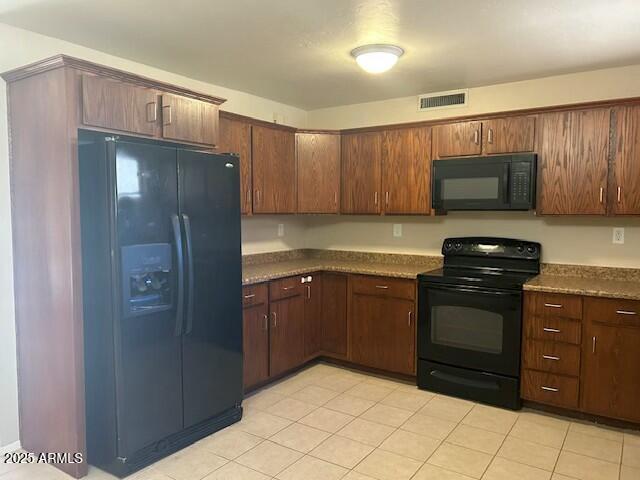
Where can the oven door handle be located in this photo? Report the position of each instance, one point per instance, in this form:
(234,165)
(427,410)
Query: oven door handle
(483,291)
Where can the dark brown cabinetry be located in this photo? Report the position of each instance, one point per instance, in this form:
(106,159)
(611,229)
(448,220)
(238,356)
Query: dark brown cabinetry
(115,105)
(287,325)
(382,313)
(334,314)
(274,170)
(551,349)
(312,291)
(189,120)
(406,171)
(235,137)
(625,188)
(255,323)
(611,356)
(573,162)
(318,166)
(361,172)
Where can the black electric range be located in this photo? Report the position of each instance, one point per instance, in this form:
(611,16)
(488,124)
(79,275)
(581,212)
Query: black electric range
(470,319)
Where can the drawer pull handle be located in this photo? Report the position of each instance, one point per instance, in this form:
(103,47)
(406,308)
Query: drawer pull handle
(625,312)
(550,330)
(286,288)
(550,389)
(384,287)
(553,305)
(251,295)
(550,357)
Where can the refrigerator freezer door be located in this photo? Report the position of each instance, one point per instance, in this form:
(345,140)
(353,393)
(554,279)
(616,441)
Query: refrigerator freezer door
(209,192)
(148,351)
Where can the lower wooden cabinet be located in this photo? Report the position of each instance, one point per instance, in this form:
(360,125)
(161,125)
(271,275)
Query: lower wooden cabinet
(382,325)
(255,340)
(286,335)
(334,315)
(582,353)
(312,291)
(611,358)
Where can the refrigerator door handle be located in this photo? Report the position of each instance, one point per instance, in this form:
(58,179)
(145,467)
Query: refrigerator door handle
(177,236)
(190,281)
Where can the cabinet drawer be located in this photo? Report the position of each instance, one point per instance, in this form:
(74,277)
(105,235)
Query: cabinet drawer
(613,311)
(550,389)
(551,357)
(254,295)
(554,305)
(285,288)
(384,286)
(553,328)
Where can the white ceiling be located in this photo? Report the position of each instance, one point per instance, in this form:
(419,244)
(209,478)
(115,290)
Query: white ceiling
(297,51)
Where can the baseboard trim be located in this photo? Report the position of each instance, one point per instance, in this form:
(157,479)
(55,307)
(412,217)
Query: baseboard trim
(12,447)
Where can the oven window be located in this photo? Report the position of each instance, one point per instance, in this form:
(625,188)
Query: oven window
(482,188)
(467,328)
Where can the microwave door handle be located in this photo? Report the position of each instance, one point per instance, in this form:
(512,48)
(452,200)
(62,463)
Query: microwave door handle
(505,183)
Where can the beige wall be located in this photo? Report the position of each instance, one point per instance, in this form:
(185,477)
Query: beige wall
(584,241)
(578,87)
(260,233)
(20,47)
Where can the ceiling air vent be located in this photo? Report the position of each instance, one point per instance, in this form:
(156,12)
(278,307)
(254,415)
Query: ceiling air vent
(450,99)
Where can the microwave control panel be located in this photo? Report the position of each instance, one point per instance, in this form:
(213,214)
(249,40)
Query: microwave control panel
(522,184)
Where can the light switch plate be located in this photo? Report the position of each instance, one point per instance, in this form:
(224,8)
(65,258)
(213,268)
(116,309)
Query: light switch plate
(281,229)
(397,229)
(618,235)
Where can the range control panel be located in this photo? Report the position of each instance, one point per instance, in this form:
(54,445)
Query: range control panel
(491,247)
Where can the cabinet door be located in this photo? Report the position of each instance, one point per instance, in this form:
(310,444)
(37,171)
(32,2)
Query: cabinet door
(318,164)
(573,162)
(312,291)
(508,135)
(287,334)
(255,322)
(189,120)
(457,139)
(406,171)
(610,374)
(115,105)
(626,166)
(274,170)
(361,172)
(334,314)
(383,333)
(235,137)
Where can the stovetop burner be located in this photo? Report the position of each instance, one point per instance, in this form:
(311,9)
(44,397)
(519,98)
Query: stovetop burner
(477,278)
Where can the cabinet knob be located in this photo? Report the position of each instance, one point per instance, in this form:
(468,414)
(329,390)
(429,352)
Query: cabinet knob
(550,389)
(476,137)
(619,194)
(601,194)
(167,120)
(490,136)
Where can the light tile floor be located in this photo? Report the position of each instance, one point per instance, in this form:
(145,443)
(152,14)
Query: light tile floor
(329,423)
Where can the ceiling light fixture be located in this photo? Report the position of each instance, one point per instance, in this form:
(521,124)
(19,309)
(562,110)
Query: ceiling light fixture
(377,58)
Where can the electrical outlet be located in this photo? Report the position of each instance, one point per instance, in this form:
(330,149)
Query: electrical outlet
(281,229)
(618,235)
(397,229)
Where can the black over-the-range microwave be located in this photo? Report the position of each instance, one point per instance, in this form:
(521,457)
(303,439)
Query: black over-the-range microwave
(501,182)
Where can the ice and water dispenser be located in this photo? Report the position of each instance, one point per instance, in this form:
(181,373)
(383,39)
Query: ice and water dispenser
(146,279)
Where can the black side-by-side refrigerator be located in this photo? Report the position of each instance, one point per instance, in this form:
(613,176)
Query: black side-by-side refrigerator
(162,297)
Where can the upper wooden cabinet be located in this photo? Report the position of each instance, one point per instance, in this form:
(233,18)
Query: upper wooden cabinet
(318,164)
(572,151)
(625,189)
(189,120)
(115,105)
(361,172)
(235,137)
(274,170)
(508,135)
(457,139)
(406,171)
(488,137)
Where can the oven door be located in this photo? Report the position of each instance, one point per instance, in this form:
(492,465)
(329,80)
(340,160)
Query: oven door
(471,184)
(471,327)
